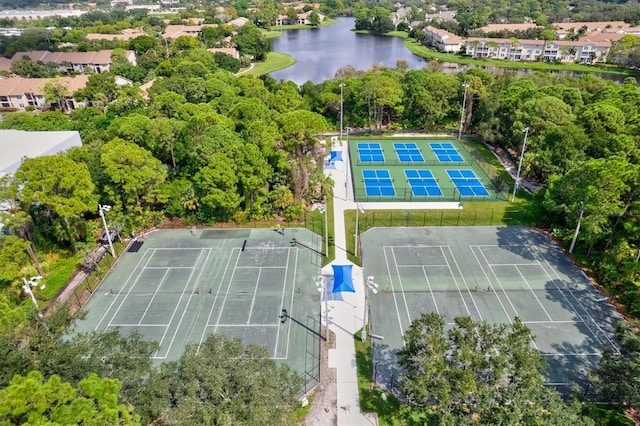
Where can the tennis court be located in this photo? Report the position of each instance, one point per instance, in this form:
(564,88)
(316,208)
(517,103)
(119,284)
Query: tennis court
(420,170)
(491,274)
(180,286)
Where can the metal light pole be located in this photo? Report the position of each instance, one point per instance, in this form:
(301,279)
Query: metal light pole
(341,104)
(323,209)
(464,106)
(524,144)
(575,235)
(370,285)
(105,208)
(28,286)
(359,209)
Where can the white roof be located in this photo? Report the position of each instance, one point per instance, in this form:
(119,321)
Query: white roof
(15,145)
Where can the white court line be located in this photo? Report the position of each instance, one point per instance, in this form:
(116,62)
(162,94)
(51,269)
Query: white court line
(175,309)
(253,300)
(489,283)
(224,301)
(247,325)
(515,311)
(293,290)
(404,297)
(433,296)
(532,292)
(176,248)
(395,301)
(613,345)
(284,286)
(154,296)
(224,274)
(458,287)
(464,281)
(513,264)
(168,267)
(420,265)
(261,267)
(138,325)
(123,287)
(554,322)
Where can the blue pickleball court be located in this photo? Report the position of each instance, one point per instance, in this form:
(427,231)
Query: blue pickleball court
(467,183)
(408,153)
(446,152)
(423,183)
(369,152)
(378,183)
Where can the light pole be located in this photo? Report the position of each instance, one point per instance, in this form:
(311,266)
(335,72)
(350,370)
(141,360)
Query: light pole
(341,104)
(464,106)
(524,144)
(105,208)
(370,285)
(28,289)
(575,235)
(323,209)
(359,209)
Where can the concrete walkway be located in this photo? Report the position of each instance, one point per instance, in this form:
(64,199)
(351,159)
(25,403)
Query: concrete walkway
(346,310)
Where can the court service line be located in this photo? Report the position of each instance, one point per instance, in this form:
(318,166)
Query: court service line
(184,311)
(484,272)
(255,291)
(168,267)
(433,296)
(404,297)
(293,290)
(613,345)
(261,267)
(213,305)
(532,292)
(254,325)
(420,265)
(515,311)
(463,280)
(166,272)
(138,325)
(395,301)
(115,299)
(457,286)
(284,287)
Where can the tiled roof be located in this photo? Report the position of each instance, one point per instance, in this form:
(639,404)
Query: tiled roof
(447,37)
(99,57)
(5,64)
(19,85)
(492,28)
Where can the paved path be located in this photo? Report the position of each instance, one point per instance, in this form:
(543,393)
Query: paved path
(346,310)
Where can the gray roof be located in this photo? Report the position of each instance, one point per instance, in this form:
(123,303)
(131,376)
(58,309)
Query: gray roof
(16,145)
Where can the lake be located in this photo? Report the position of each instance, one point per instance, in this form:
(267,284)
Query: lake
(320,52)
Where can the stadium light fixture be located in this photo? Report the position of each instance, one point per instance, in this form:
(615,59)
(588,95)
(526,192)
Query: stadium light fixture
(370,286)
(101,209)
(28,289)
(524,145)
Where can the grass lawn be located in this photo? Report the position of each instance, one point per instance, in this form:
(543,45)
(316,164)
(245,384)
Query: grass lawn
(275,61)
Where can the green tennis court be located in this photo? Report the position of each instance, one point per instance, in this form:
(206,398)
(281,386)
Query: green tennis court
(491,274)
(419,170)
(181,286)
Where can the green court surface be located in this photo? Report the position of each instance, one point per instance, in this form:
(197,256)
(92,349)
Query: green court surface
(387,155)
(491,274)
(180,287)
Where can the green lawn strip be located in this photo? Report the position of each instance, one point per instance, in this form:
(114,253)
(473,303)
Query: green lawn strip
(272,33)
(61,272)
(390,411)
(424,52)
(275,61)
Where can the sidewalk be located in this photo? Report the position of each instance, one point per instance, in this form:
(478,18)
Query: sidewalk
(346,310)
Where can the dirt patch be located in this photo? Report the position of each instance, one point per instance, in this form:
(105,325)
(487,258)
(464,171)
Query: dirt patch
(324,406)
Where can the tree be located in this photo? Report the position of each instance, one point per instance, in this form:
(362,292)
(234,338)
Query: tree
(314,18)
(32,399)
(56,93)
(223,382)
(57,188)
(250,42)
(617,378)
(477,372)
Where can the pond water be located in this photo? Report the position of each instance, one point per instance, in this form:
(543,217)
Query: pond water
(320,52)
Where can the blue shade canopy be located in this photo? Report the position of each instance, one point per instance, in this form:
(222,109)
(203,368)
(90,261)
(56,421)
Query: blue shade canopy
(342,280)
(336,156)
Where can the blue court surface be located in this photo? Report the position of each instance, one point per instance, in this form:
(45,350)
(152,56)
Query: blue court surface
(378,183)
(408,152)
(423,183)
(370,153)
(467,183)
(446,152)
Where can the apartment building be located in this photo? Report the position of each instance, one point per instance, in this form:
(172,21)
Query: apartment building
(80,62)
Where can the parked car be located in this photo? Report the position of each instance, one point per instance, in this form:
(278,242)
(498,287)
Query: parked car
(110,236)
